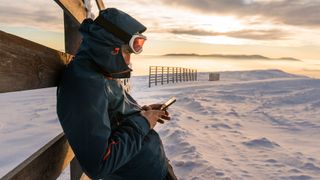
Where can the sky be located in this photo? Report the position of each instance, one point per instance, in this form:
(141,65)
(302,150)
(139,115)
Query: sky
(273,28)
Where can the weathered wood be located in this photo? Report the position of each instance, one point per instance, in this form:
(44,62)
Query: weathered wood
(74,8)
(47,163)
(72,36)
(28,65)
(100,5)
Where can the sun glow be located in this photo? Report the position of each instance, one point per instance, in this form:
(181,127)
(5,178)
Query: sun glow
(219,23)
(222,40)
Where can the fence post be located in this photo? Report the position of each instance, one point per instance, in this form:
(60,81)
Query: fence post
(156,76)
(192,79)
(184,74)
(196,75)
(187,74)
(162,75)
(176,69)
(72,42)
(168,69)
(150,76)
(180,74)
(172,74)
(72,35)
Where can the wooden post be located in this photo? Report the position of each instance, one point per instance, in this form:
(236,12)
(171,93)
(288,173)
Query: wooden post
(162,75)
(72,36)
(74,14)
(191,75)
(183,74)
(150,76)
(72,42)
(75,9)
(186,74)
(156,76)
(172,74)
(196,75)
(100,5)
(176,69)
(168,75)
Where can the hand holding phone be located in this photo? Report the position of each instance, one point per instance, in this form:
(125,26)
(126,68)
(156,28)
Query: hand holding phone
(168,103)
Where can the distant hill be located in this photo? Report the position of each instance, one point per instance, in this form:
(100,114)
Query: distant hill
(235,56)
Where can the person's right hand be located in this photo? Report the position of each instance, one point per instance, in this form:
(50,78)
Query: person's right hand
(154,115)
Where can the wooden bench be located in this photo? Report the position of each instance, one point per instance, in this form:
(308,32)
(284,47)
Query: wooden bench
(27,65)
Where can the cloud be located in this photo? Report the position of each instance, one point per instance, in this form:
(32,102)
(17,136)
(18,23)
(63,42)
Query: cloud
(291,12)
(40,14)
(273,34)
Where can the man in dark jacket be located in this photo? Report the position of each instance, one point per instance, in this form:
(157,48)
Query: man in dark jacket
(111,135)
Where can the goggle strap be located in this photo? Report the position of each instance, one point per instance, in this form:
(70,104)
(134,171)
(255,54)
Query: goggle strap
(110,27)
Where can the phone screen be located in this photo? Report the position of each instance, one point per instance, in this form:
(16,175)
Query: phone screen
(168,103)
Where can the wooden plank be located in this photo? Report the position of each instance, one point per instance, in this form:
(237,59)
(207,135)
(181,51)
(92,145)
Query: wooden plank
(74,8)
(47,163)
(28,65)
(100,5)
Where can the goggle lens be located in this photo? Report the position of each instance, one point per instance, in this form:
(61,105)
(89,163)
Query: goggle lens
(136,43)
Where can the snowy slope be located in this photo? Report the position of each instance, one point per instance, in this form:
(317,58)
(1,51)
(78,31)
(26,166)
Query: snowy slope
(249,125)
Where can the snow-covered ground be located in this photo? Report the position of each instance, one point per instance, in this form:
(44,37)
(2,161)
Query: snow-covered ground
(248,125)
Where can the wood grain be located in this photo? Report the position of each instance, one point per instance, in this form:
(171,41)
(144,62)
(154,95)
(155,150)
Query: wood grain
(27,65)
(100,5)
(74,8)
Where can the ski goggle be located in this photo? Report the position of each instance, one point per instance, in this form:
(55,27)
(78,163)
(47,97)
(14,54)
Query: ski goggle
(136,43)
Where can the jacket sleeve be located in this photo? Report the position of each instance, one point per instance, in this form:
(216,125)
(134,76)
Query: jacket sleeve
(82,107)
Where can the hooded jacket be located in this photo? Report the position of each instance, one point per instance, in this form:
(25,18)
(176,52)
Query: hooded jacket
(103,124)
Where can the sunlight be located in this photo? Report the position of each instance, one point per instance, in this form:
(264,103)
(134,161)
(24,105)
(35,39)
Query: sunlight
(223,40)
(219,23)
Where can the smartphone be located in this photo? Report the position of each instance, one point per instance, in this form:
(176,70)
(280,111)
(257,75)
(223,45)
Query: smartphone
(168,103)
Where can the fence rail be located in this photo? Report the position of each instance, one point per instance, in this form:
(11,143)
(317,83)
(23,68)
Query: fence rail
(162,74)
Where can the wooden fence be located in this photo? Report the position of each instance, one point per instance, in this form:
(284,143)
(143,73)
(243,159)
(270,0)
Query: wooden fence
(27,65)
(161,75)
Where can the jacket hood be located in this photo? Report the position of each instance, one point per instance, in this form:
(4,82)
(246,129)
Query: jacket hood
(104,47)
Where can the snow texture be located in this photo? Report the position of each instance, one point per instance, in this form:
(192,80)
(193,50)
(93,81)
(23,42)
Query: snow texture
(249,125)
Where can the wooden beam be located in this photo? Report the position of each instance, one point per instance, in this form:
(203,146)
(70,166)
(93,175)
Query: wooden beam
(47,163)
(27,65)
(74,8)
(72,36)
(100,5)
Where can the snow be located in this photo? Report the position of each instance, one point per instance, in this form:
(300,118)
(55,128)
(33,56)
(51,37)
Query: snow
(260,124)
